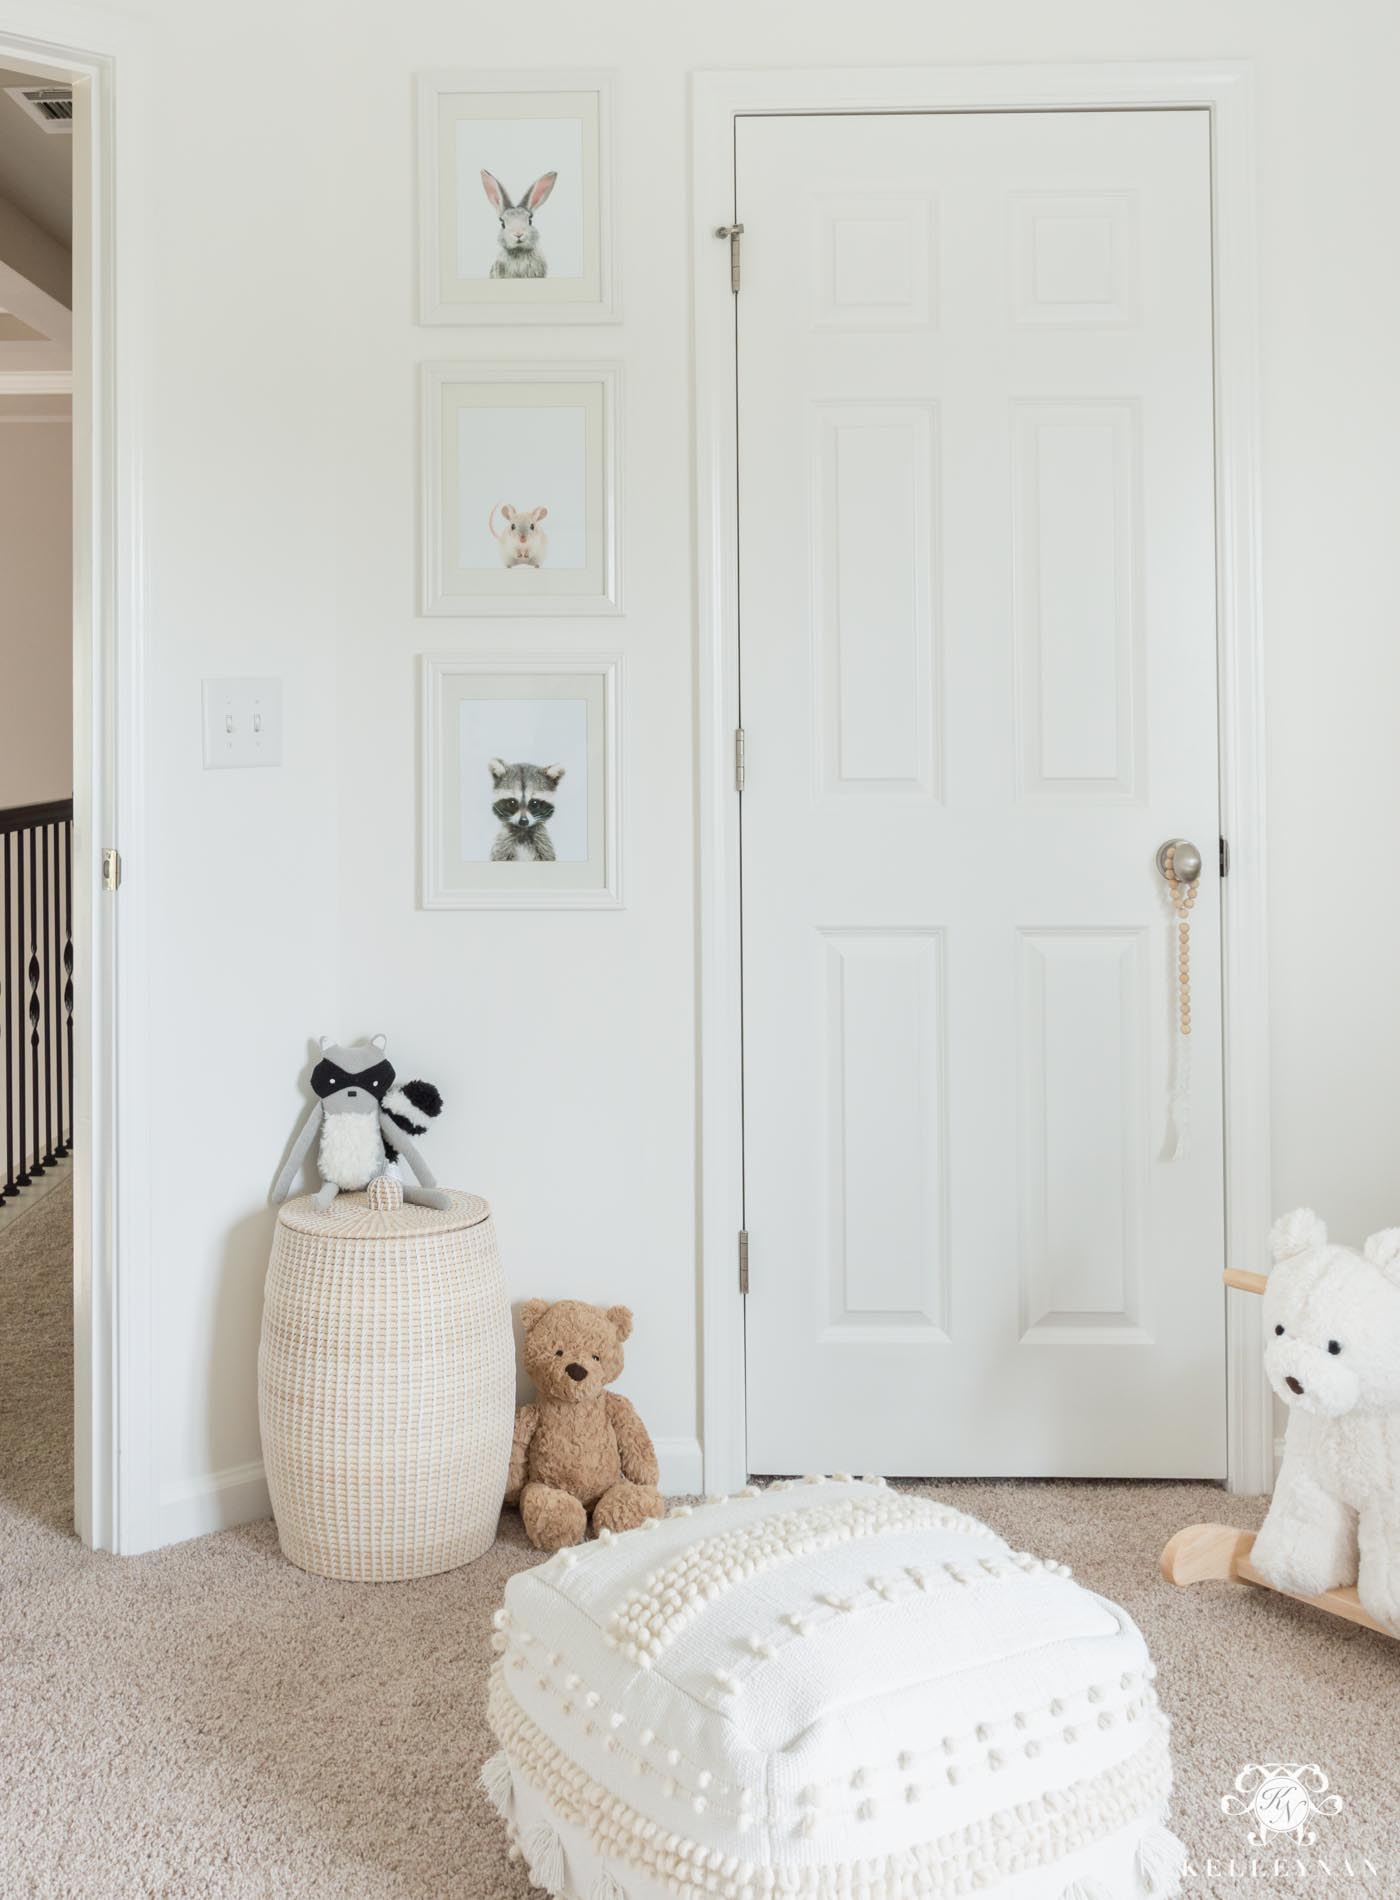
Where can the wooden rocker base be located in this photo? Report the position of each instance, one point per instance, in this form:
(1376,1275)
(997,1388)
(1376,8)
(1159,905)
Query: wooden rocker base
(1219,1552)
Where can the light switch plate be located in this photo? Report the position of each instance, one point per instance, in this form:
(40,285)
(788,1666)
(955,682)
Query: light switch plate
(242,723)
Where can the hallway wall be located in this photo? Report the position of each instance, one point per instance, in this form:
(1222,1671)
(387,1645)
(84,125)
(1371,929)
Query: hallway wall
(36,600)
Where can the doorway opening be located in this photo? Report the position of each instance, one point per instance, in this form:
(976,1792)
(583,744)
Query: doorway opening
(69,755)
(41,983)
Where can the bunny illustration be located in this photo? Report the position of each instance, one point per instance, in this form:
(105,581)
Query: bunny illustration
(522,541)
(519,242)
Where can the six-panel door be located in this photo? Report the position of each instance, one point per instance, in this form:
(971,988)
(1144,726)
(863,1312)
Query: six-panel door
(978,670)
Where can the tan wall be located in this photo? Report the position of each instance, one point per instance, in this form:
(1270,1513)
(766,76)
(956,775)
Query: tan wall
(36,614)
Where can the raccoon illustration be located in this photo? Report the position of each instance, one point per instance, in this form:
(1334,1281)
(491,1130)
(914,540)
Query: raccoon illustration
(524,797)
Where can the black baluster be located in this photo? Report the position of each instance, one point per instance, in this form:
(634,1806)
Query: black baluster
(37,1166)
(60,897)
(68,957)
(23,1178)
(7,1032)
(46,995)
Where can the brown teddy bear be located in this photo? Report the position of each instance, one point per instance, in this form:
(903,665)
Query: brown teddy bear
(579,1447)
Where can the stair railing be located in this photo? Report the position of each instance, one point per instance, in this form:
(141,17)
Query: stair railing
(36,991)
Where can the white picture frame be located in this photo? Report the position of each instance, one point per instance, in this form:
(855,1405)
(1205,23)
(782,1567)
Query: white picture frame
(478,709)
(513,124)
(534,437)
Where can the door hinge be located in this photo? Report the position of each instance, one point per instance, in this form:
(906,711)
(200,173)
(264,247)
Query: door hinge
(111,869)
(733,232)
(1224,857)
(738,758)
(743,1261)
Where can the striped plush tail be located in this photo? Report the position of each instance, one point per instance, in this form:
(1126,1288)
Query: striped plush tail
(412,1105)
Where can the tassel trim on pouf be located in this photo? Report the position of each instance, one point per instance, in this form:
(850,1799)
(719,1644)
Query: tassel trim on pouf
(496,1782)
(1158,1859)
(1158,1864)
(544,1851)
(1046,1831)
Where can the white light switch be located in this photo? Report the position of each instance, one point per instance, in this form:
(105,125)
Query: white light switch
(242,723)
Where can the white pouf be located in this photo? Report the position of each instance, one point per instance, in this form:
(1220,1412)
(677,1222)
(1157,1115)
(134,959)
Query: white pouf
(827,1689)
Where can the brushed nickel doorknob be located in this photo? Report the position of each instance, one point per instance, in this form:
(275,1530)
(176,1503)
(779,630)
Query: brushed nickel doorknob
(1186,859)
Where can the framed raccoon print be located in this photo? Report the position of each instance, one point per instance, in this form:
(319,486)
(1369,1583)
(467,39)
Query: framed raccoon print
(515,189)
(521,783)
(520,488)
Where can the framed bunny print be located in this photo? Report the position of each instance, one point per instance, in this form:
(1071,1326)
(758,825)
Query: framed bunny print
(520,798)
(520,488)
(515,198)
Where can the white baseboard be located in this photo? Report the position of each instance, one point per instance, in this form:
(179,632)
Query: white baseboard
(682,1466)
(214,1501)
(217,1500)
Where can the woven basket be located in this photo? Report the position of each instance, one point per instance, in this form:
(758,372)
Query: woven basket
(386,1384)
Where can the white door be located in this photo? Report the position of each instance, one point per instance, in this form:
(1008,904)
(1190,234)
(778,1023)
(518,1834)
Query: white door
(978,678)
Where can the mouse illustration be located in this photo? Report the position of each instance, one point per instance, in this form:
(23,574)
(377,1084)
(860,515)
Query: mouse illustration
(523,542)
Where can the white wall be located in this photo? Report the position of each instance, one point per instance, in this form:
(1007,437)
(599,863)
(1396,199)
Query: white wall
(36,601)
(564,1041)
(240,421)
(280,516)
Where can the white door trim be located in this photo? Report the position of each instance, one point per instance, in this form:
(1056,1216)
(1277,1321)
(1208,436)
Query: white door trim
(1225,89)
(115,1493)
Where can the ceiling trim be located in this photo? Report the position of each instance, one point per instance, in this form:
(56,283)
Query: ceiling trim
(36,382)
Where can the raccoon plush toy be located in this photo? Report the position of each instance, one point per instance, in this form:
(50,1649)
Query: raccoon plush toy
(365,1124)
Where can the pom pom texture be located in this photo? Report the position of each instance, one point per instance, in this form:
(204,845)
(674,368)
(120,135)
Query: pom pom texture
(843,1690)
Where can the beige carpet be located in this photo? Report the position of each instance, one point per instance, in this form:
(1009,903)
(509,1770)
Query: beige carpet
(210,1721)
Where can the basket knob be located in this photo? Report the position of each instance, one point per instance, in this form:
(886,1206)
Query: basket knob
(385,1194)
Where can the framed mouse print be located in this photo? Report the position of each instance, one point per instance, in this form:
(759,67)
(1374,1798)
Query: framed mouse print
(519,488)
(515,197)
(521,783)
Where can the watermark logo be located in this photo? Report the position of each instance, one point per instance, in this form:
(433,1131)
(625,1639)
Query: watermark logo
(1283,1799)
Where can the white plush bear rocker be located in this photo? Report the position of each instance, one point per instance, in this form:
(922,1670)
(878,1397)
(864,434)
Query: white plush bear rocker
(1333,1356)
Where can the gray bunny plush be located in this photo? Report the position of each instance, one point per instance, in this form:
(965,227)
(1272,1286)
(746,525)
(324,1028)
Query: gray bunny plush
(366,1125)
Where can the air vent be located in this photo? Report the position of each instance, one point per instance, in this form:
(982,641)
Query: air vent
(49,106)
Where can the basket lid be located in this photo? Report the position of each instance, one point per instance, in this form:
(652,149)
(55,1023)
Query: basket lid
(380,1212)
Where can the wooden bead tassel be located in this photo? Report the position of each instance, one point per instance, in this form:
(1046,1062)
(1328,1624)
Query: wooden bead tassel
(1183,898)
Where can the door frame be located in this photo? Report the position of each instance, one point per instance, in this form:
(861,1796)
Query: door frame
(1225,89)
(114,1388)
